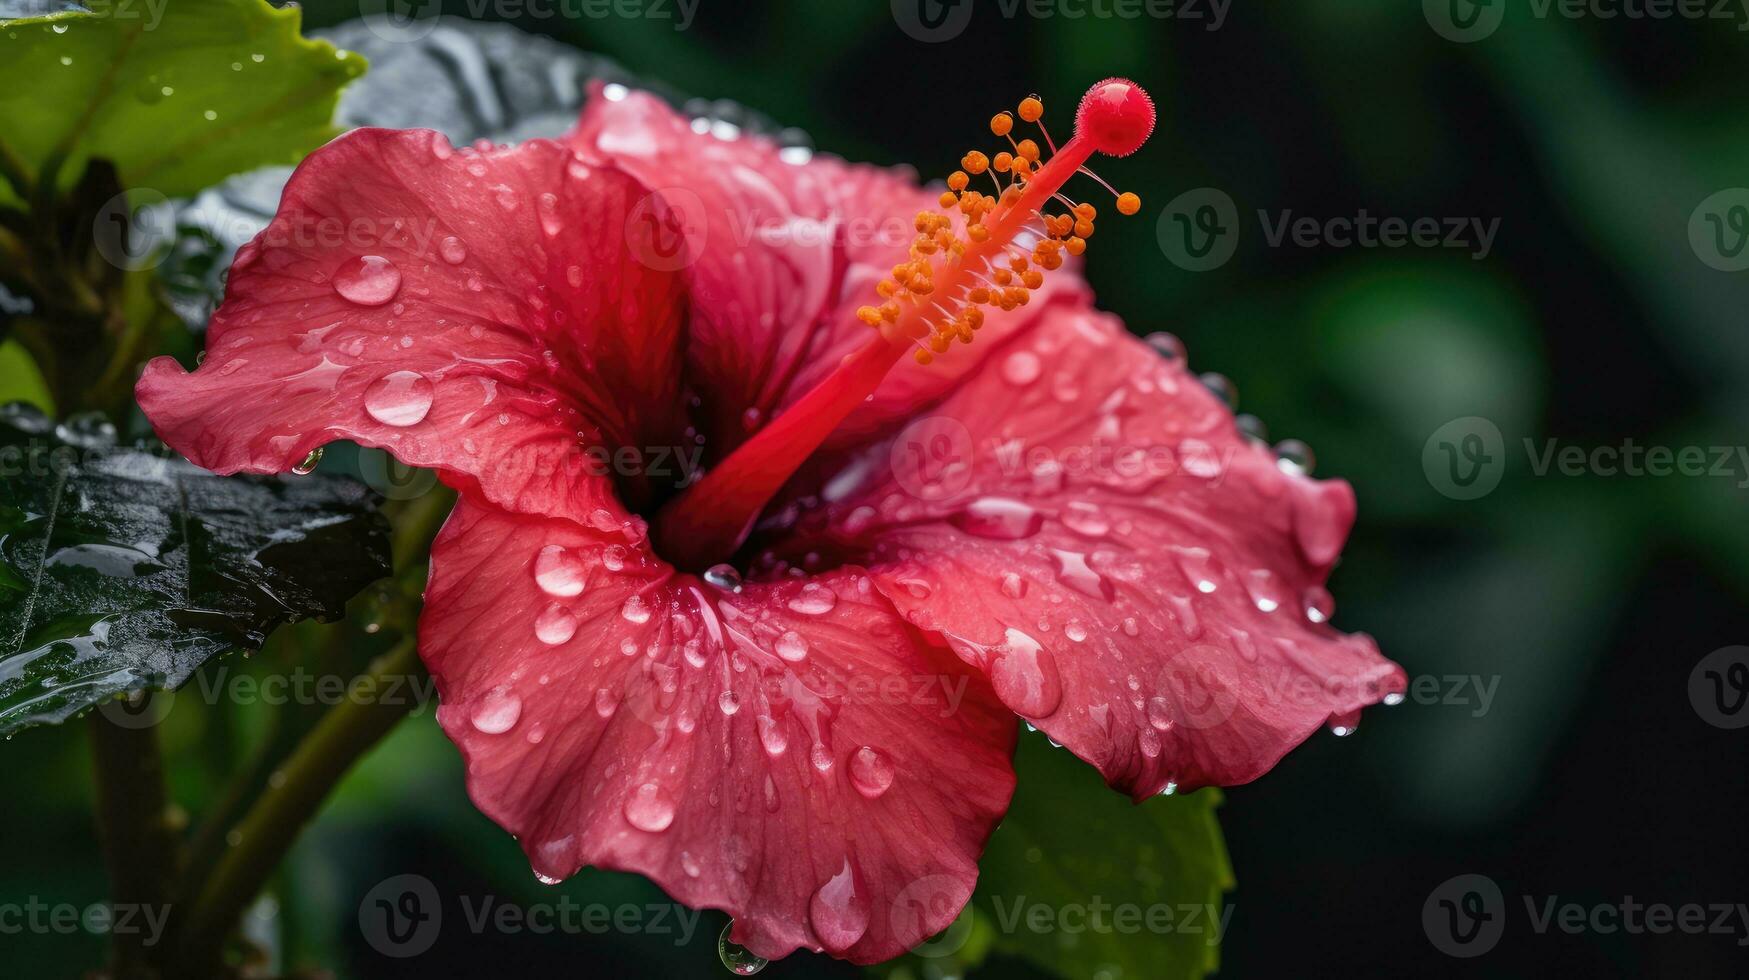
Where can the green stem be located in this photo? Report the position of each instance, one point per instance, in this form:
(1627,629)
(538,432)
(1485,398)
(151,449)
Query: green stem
(294,794)
(138,833)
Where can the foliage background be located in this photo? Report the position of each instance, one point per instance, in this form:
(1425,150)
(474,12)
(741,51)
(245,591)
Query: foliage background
(1590,776)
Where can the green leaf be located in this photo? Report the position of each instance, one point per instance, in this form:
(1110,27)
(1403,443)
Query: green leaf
(176,95)
(20,381)
(123,569)
(1086,884)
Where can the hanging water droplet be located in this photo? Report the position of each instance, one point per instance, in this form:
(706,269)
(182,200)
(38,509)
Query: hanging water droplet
(1025,675)
(1320,605)
(1251,427)
(558,572)
(399,399)
(1294,457)
(1167,345)
(839,910)
(739,959)
(1394,698)
(723,577)
(649,809)
(1221,387)
(871,772)
(555,625)
(368,280)
(309,463)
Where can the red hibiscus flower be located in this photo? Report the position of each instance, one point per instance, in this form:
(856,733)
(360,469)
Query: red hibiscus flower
(784,682)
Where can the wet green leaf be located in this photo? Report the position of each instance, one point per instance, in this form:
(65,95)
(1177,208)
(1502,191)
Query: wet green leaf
(123,569)
(176,95)
(1086,884)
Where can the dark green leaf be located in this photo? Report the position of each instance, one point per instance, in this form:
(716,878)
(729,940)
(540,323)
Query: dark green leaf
(122,569)
(1086,884)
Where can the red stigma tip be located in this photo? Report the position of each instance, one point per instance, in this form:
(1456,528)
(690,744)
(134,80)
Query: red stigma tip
(1116,116)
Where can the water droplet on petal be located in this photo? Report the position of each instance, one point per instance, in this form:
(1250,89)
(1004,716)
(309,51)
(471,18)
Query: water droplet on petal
(605,703)
(772,736)
(723,577)
(1320,606)
(555,625)
(739,960)
(649,808)
(399,399)
(558,572)
(728,702)
(452,250)
(368,280)
(1085,519)
(839,911)
(635,610)
(791,647)
(820,756)
(1021,368)
(1025,675)
(814,600)
(871,772)
(1343,724)
(998,518)
(1167,345)
(1160,713)
(497,713)
(1294,457)
(1221,387)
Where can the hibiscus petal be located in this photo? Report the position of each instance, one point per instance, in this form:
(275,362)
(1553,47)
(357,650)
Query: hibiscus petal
(795,754)
(473,311)
(779,248)
(1083,522)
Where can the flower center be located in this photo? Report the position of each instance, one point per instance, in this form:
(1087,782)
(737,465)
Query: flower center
(977,251)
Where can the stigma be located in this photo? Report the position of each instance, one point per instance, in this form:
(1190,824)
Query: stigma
(991,248)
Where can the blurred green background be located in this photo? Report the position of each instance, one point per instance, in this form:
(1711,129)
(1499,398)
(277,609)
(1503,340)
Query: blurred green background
(1582,603)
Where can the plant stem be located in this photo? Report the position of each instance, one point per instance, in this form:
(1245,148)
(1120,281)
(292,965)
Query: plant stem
(137,830)
(294,794)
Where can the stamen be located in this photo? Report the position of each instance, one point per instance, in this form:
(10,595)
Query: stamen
(967,258)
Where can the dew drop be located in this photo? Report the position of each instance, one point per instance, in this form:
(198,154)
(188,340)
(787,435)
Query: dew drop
(813,600)
(839,911)
(1013,586)
(737,958)
(548,204)
(558,572)
(791,647)
(1160,713)
(1320,606)
(1221,387)
(871,772)
(1344,724)
(497,713)
(452,250)
(1025,675)
(308,465)
(649,809)
(1085,519)
(771,735)
(1021,368)
(555,625)
(605,703)
(723,577)
(399,399)
(820,756)
(728,702)
(368,280)
(635,610)
(999,518)
(1294,457)
(1166,345)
